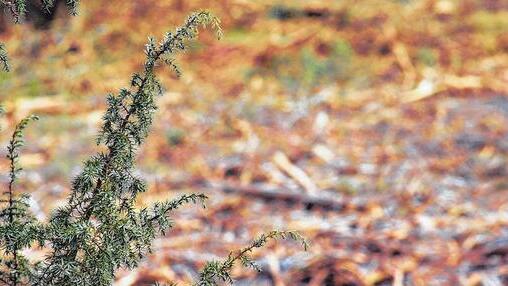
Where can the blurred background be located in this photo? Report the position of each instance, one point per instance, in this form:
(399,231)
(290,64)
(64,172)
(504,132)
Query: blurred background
(378,129)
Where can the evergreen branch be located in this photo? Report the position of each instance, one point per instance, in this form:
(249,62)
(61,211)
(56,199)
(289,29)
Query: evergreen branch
(99,229)
(17,228)
(161,210)
(141,101)
(220,271)
(15,144)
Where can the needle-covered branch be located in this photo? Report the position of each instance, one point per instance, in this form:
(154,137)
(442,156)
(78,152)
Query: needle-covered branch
(157,216)
(18,228)
(100,229)
(216,272)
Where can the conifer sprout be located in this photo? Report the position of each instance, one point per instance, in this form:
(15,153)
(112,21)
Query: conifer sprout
(18,228)
(100,230)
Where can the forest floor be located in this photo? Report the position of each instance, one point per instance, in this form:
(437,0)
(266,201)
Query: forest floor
(378,129)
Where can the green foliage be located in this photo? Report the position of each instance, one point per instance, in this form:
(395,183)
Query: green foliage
(15,144)
(216,272)
(18,228)
(100,229)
